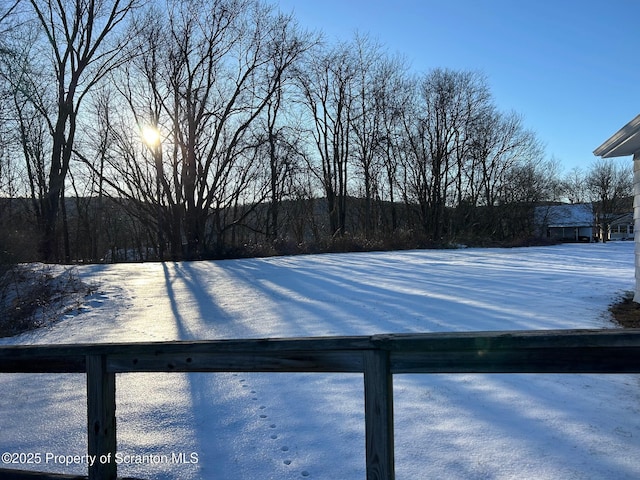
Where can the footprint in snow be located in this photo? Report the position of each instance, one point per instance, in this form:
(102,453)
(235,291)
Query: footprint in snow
(273,436)
(244,385)
(93,303)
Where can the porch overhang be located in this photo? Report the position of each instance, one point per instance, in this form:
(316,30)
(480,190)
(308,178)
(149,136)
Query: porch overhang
(624,142)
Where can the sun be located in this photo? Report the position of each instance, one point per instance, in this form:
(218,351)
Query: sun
(150,136)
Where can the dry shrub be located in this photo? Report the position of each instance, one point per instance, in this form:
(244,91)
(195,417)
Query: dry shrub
(35,295)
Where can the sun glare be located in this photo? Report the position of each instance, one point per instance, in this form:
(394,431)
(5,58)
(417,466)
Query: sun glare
(150,136)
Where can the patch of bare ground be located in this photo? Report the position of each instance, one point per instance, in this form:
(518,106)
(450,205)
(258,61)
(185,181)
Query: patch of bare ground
(626,312)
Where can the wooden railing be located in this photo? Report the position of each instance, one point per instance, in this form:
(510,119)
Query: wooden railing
(378,357)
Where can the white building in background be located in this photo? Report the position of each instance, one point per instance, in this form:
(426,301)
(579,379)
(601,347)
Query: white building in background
(579,223)
(622,228)
(567,222)
(626,142)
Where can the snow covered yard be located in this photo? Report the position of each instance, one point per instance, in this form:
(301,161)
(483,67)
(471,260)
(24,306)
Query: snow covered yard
(289,426)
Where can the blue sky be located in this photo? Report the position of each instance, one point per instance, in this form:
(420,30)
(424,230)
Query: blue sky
(570,67)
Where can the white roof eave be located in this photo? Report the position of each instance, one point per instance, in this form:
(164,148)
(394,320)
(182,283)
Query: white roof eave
(624,142)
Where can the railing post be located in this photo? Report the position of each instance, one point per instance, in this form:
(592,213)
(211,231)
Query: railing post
(101,419)
(378,415)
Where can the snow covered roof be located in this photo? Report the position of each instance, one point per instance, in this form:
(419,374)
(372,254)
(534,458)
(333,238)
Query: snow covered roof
(625,141)
(627,218)
(568,215)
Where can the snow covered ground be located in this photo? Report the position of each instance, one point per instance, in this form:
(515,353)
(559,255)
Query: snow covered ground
(291,426)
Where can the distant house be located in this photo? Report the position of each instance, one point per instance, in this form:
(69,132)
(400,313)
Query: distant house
(626,142)
(622,228)
(566,223)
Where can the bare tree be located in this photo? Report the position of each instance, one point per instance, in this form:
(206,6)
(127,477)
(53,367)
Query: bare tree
(528,183)
(281,146)
(610,186)
(211,73)
(453,102)
(438,132)
(394,94)
(8,9)
(76,37)
(502,152)
(575,186)
(366,120)
(500,143)
(327,85)
(33,139)
(12,57)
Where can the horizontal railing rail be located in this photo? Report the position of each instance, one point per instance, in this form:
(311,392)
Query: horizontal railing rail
(377,357)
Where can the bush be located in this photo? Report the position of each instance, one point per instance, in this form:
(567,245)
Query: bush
(32,296)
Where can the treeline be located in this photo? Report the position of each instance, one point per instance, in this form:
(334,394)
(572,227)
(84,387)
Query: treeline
(196,129)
